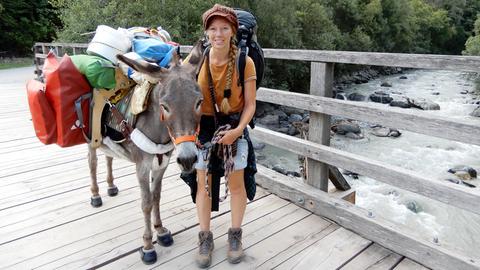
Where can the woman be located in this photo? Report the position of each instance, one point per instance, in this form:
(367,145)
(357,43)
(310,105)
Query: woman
(233,105)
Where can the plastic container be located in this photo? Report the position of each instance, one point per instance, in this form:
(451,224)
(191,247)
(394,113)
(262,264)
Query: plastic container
(109,42)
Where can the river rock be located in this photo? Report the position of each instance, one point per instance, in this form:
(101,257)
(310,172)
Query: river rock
(269,120)
(386,84)
(414,207)
(345,127)
(394,133)
(340,96)
(356,97)
(381,97)
(464,172)
(295,118)
(282,116)
(424,104)
(402,103)
(464,92)
(263,108)
(476,112)
(435,93)
(403,77)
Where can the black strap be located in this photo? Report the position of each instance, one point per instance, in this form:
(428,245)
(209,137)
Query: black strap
(242,61)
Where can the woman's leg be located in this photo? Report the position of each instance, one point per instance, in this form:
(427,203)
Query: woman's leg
(203,201)
(204,208)
(238,201)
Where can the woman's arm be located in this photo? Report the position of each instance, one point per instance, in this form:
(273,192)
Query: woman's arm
(249,96)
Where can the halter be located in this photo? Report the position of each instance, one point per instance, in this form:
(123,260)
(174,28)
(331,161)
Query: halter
(181,139)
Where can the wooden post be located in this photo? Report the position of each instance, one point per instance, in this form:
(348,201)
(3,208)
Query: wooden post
(321,84)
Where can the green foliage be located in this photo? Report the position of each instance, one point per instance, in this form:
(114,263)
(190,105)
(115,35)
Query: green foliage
(24,22)
(472,46)
(409,26)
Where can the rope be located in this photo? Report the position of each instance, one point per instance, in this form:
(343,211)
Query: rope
(228,159)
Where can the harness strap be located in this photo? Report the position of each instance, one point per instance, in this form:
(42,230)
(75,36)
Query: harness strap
(79,112)
(126,128)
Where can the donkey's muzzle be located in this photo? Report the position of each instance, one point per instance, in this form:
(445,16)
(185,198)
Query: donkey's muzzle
(187,162)
(187,156)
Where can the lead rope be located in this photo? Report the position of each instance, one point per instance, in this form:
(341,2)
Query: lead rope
(228,161)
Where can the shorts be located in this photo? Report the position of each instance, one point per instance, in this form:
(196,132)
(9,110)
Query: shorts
(240,159)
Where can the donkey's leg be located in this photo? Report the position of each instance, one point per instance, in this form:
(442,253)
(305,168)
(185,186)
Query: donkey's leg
(112,189)
(164,236)
(148,253)
(95,200)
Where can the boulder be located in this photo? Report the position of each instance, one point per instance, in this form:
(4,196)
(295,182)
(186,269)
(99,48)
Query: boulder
(356,97)
(295,118)
(464,172)
(424,104)
(401,103)
(345,127)
(269,120)
(386,84)
(414,206)
(340,96)
(380,97)
(282,116)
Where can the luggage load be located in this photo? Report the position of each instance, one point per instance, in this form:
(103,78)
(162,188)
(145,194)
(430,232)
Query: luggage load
(109,42)
(65,111)
(43,116)
(68,92)
(154,50)
(99,72)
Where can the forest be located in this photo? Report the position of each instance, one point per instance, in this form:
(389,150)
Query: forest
(403,26)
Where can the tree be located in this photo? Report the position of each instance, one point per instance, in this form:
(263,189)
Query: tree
(23,22)
(472,45)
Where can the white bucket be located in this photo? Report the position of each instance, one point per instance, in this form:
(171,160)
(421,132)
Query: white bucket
(109,42)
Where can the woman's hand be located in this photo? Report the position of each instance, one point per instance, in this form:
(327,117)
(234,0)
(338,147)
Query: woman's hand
(229,136)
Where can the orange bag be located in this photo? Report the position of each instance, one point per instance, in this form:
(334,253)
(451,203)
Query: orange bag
(43,116)
(69,93)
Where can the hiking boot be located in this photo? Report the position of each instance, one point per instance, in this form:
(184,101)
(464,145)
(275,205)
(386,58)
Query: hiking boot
(235,250)
(205,248)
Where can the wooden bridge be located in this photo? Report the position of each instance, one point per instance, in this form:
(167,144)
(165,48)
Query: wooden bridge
(46,220)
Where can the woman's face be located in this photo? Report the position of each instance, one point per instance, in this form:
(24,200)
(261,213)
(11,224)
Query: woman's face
(219,33)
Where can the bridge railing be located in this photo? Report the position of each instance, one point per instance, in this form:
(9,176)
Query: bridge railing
(321,106)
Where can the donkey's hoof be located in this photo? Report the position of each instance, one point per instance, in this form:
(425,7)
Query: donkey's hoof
(148,256)
(96,201)
(165,239)
(112,191)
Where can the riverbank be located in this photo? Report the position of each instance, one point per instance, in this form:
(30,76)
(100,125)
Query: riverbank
(457,96)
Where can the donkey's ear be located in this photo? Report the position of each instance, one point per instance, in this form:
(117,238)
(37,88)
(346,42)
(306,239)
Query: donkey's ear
(196,57)
(143,66)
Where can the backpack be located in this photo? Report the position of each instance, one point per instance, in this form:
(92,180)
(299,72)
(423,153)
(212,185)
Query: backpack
(247,45)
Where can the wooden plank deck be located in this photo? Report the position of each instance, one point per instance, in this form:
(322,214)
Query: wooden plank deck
(46,221)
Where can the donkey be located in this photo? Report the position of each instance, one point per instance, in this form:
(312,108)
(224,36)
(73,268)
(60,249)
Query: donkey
(172,115)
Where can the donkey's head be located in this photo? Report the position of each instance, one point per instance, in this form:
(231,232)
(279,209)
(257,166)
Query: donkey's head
(176,101)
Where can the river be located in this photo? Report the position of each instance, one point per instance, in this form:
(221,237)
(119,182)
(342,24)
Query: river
(433,221)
